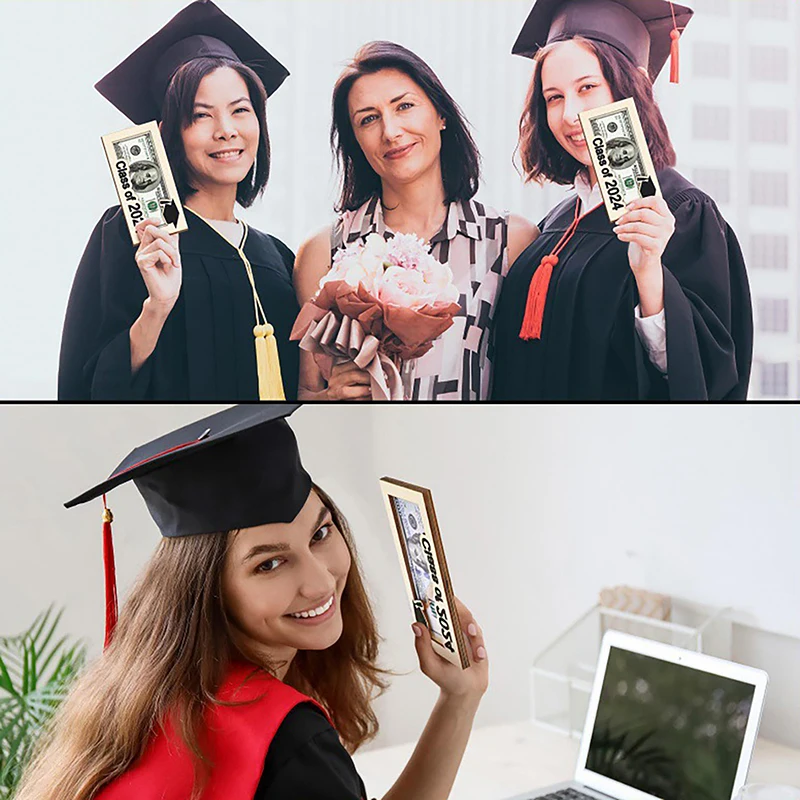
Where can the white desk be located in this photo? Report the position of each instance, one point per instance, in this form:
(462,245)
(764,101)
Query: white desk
(505,760)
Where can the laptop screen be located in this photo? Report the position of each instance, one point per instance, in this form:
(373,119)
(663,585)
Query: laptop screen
(669,730)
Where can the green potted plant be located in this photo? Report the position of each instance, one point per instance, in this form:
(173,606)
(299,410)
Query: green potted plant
(36,670)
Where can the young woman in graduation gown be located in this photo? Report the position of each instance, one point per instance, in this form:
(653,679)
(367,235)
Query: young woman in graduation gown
(655,306)
(244,661)
(174,318)
(409,165)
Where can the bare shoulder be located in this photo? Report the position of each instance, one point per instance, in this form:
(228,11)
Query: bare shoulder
(312,262)
(521,232)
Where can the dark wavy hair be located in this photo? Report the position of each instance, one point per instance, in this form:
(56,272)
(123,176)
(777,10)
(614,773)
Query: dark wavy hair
(460,158)
(543,158)
(177,115)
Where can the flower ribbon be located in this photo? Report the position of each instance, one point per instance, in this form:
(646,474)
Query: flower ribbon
(334,339)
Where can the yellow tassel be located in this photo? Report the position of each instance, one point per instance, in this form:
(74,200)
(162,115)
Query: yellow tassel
(270,382)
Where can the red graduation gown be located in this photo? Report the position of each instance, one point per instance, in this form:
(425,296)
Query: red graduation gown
(238,737)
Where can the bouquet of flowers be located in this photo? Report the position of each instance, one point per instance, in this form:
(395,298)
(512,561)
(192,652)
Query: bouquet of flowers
(382,302)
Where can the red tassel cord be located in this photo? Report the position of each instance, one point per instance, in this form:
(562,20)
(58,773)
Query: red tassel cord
(674,53)
(110,574)
(537,294)
(540,283)
(674,57)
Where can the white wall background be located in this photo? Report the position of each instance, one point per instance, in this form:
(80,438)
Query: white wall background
(540,508)
(53,51)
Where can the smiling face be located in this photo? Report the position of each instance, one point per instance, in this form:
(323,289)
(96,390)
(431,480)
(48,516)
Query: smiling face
(222,140)
(283,584)
(572,81)
(396,126)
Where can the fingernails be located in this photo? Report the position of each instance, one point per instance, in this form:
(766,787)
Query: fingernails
(472,629)
(481,652)
(417,631)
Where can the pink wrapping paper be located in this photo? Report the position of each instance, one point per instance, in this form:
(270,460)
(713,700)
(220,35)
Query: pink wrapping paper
(404,332)
(333,339)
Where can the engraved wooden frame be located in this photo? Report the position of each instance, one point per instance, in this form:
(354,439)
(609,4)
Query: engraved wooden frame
(127,133)
(423,499)
(585,118)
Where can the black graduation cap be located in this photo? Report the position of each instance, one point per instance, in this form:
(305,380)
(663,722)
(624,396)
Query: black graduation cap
(137,86)
(238,468)
(646,31)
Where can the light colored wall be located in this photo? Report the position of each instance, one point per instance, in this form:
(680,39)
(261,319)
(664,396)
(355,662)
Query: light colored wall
(540,507)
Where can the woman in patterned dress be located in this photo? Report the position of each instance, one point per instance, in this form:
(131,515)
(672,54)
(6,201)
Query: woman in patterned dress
(409,165)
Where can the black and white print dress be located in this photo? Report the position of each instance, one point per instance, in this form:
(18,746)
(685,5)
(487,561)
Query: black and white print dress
(473,242)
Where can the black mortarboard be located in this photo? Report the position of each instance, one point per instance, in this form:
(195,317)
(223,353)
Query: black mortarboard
(238,468)
(137,86)
(641,29)
(235,469)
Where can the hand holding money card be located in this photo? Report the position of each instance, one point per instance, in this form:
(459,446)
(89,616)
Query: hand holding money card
(143,178)
(620,156)
(419,546)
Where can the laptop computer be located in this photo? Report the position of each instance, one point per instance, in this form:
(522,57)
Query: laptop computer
(664,724)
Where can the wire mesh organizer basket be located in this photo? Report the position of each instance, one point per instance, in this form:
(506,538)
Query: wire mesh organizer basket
(562,675)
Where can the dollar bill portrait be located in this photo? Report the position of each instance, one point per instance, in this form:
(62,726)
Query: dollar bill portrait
(654,306)
(144,176)
(621,153)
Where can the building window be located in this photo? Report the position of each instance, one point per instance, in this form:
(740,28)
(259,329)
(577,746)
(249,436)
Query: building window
(769,251)
(711,123)
(769,9)
(715,182)
(711,60)
(769,125)
(774,379)
(769,189)
(773,314)
(769,63)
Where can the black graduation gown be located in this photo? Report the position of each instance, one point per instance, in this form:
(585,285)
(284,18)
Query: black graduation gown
(589,348)
(206,350)
(306,760)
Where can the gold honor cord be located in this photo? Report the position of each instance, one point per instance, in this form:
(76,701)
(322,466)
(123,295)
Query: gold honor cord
(270,382)
(268,365)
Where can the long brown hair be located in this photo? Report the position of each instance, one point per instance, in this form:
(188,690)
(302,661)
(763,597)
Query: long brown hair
(543,158)
(170,652)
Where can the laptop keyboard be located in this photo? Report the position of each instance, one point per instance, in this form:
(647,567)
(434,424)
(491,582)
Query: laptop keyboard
(564,794)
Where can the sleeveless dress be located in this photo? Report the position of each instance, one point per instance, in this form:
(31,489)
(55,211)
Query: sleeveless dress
(473,242)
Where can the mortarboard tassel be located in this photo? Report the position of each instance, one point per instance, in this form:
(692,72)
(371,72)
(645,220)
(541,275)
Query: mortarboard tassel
(270,383)
(674,57)
(540,282)
(110,574)
(674,54)
(537,294)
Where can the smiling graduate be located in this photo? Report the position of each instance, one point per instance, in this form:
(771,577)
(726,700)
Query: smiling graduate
(655,306)
(244,662)
(175,318)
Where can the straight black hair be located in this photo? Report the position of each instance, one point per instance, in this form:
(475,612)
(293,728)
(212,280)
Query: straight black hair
(177,115)
(459,155)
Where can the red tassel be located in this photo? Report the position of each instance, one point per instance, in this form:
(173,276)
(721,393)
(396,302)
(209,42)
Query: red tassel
(674,56)
(110,574)
(537,295)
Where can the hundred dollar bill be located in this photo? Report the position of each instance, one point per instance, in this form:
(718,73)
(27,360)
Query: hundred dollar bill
(619,155)
(143,178)
(427,578)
